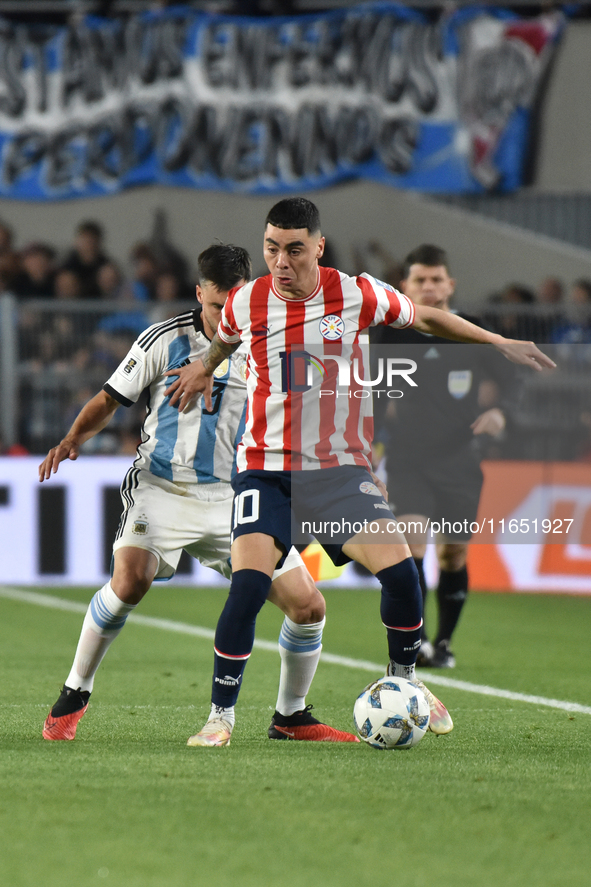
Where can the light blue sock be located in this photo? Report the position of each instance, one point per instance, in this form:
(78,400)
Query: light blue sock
(104,620)
(299,648)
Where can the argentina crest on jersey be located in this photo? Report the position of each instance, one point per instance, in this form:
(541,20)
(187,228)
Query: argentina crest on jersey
(222,370)
(459,383)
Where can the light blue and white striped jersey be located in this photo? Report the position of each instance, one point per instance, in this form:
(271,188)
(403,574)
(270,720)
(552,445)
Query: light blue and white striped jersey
(196,446)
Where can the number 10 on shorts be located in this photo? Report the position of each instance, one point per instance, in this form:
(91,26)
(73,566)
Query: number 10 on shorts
(246,507)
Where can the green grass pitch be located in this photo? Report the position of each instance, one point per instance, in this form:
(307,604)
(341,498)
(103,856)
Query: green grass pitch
(503,800)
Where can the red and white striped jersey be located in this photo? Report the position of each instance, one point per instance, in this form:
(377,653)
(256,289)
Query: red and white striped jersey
(305,409)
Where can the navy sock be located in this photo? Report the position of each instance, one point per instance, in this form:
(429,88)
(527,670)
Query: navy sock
(452,592)
(234,634)
(423,583)
(401,610)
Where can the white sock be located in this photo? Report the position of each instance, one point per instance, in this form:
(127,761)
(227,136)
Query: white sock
(299,647)
(402,671)
(104,620)
(218,711)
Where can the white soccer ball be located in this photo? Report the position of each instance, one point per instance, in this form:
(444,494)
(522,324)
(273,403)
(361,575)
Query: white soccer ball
(391,713)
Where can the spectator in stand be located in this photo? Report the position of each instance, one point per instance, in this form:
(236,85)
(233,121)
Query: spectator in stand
(71,328)
(550,315)
(510,321)
(67,284)
(169,287)
(168,291)
(550,291)
(580,293)
(145,272)
(111,284)
(36,279)
(114,288)
(10,264)
(87,258)
(576,328)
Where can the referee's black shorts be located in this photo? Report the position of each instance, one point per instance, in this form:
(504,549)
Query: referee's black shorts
(444,489)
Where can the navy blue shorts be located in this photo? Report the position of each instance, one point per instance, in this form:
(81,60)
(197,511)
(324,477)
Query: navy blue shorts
(329,504)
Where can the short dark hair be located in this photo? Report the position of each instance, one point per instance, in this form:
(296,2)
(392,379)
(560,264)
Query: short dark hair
(425,254)
(294,212)
(224,265)
(584,284)
(39,248)
(90,227)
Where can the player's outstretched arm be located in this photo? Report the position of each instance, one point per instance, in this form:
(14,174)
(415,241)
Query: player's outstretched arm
(450,326)
(197,377)
(91,419)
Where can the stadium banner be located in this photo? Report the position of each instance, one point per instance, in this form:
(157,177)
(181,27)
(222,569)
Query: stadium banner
(61,532)
(271,105)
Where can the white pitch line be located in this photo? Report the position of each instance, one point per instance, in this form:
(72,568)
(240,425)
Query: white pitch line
(55,603)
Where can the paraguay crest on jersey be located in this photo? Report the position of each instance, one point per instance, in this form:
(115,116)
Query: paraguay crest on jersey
(332,327)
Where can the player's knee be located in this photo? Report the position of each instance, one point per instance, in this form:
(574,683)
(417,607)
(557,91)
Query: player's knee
(310,609)
(452,557)
(131,583)
(133,573)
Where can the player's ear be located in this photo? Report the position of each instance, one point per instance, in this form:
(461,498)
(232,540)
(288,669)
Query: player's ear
(402,286)
(199,294)
(320,249)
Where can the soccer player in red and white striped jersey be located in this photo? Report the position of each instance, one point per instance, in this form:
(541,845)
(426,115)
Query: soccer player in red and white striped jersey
(328,321)
(301,323)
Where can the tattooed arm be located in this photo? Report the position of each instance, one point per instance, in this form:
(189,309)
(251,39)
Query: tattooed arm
(197,377)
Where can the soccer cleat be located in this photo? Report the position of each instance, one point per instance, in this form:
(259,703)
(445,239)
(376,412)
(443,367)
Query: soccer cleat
(440,721)
(62,720)
(442,656)
(301,725)
(216,732)
(425,653)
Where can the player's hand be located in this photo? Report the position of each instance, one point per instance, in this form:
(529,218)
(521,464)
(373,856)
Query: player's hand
(491,422)
(525,353)
(191,381)
(67,449)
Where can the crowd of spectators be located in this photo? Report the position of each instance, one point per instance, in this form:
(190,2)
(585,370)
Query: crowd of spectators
(552,314)
(158,271)
(78,313)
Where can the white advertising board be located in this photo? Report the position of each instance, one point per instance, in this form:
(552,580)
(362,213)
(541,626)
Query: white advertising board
(80,528)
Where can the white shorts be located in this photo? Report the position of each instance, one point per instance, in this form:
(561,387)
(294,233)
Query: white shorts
(165,518)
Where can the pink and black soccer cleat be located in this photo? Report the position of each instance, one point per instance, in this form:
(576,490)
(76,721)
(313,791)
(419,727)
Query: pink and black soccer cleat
(62,720)
(302,726)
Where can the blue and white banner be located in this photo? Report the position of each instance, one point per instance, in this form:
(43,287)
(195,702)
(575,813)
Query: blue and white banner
(270,105)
